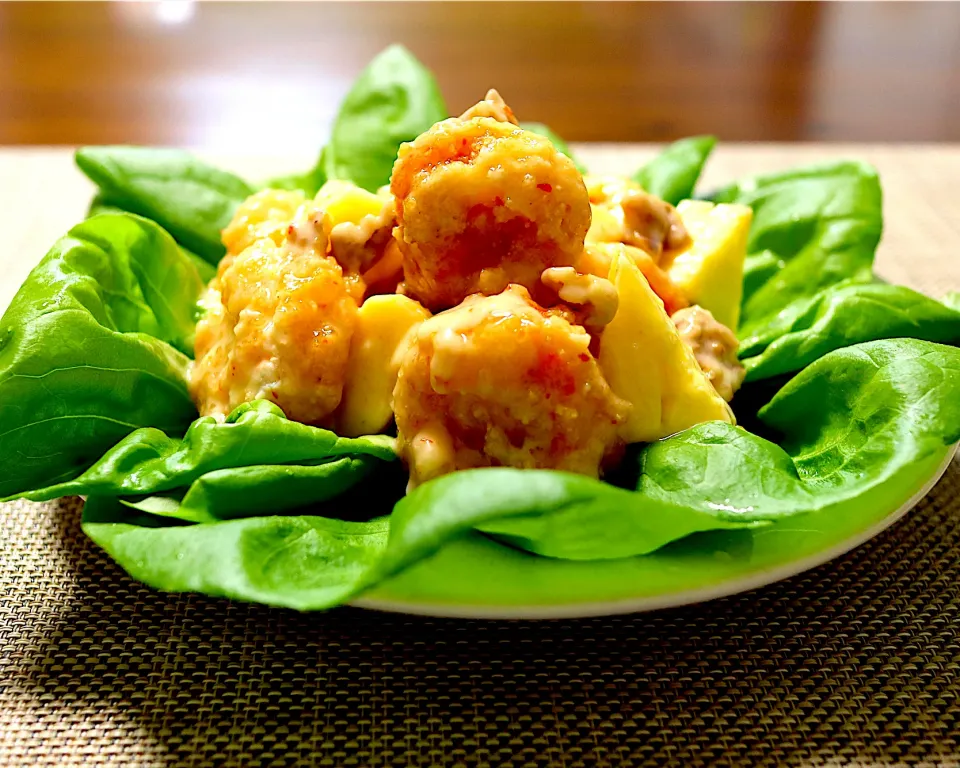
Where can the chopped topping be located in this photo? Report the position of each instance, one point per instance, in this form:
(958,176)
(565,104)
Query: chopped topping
(596,296)
(493,106)
(652,224)
(715,347)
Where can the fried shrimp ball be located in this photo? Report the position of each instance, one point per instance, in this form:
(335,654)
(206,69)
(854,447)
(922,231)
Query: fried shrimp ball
(278,324)
(499,381)
(348,223)
(266,213)
(482,203)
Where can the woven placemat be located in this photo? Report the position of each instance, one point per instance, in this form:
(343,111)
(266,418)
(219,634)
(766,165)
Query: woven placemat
(856,663)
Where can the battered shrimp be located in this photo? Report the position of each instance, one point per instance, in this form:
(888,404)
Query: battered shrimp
(278,324)
(350,224)
(266,213)
(482,203)
(499,381)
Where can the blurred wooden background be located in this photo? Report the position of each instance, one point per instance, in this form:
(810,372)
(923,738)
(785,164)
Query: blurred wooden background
(230,75)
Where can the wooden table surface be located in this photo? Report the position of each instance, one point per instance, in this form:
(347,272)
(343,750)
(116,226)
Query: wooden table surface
(271,74)
(43,195)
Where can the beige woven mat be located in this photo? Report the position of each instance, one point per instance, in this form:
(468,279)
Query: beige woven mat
(855,663)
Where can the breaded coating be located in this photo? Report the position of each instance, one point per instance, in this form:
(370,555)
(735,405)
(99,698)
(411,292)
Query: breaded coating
(277,326)
(266,213)
(499,381)
(481,204)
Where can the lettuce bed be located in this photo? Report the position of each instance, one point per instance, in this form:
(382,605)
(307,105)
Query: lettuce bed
(852,397)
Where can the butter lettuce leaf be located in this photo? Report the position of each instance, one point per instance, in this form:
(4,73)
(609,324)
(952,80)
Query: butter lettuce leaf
(813,228)
(245,491)
(148,461)
(848,314)
(673,174)
(189,198)
(94,346)
(394,99)
(846,424)
(205,269)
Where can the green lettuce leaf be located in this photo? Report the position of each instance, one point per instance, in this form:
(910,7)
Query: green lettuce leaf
(847,423)
(100,204)
(673,174)
(852,421)
(311,562)
(205,269)
(562,146)
(813,228)
(189,198)
(849,314)
(555,514)
(302,562)
(308,182)
(148,461)
(395,99)
(93,346)
(225,494)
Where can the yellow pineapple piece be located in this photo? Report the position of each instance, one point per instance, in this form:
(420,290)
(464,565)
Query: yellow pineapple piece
(343,201)
(646,363)
(709,271)
(382,324)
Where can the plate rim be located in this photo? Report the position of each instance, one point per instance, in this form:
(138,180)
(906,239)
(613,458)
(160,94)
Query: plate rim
(585,610)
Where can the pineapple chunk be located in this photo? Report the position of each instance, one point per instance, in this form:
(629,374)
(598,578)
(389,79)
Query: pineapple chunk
(646,363)
(710,270)
(343,201)
(382,324)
